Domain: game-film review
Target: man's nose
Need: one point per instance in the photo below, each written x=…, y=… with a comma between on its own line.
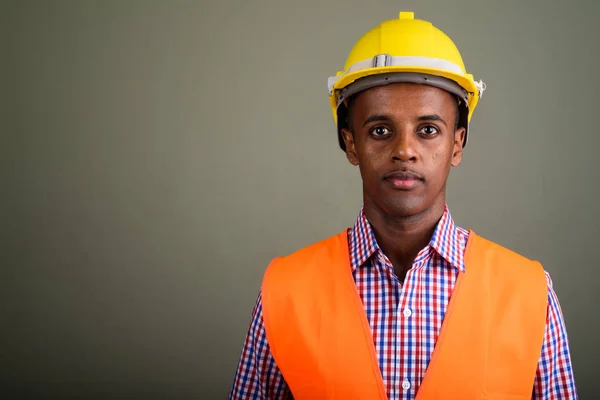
x=405, y=145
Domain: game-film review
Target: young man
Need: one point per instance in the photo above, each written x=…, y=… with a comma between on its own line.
x=405, y=304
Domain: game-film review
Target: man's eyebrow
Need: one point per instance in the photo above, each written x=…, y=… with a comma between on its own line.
x=432, y=117
x=375, y=118
x=385, y=118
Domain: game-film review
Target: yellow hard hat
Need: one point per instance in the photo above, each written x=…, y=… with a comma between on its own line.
x=404, y=50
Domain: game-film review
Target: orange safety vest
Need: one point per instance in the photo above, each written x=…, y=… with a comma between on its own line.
x=488, y=347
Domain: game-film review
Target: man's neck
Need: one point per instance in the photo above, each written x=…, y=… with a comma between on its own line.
x=402, y=238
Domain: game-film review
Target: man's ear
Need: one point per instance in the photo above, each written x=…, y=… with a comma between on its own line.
x=457, y=151
x=350, y=147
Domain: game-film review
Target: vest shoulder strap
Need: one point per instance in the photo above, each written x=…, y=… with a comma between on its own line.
x=491, y=338
x=316, y=327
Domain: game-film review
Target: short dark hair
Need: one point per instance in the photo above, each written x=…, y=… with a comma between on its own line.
x=349, y=112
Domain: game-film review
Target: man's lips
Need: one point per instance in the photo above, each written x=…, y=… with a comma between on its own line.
x=403, y=180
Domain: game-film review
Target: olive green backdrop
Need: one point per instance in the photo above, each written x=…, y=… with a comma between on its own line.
x=157, y=154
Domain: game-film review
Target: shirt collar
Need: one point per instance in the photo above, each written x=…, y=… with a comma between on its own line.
x=446, y=241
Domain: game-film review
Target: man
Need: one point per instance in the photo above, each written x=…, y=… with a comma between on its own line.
x=405, y=304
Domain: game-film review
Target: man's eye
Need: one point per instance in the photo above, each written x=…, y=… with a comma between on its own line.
x=429, y=130
x=380, y=131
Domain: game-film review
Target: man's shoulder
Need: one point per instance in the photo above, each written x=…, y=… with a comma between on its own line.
x=303, y=260
x=306, y=267
x=504, y=258
x=496, y=248
x=340, y=239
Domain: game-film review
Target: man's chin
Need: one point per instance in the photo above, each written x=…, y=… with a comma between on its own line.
x=405, y=207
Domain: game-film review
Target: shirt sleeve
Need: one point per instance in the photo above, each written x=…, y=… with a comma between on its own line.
x=554, y=378
x=257, y=375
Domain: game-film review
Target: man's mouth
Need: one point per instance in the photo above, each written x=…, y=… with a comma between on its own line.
x=403, y=180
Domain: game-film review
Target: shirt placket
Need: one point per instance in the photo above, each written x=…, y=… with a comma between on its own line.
x=406, y=336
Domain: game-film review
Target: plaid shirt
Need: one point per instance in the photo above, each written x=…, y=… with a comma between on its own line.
x=405, y=319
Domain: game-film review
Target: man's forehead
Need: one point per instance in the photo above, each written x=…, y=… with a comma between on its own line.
x=404, y=95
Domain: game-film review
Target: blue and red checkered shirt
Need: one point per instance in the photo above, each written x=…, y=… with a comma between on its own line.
x=405, y=319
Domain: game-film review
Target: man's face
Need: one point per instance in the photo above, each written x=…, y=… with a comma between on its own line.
x=404, y=141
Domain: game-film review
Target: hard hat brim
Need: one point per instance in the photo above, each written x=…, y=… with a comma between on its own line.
x=463, y=80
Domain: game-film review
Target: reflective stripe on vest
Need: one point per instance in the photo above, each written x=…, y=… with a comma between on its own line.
x=488, y=347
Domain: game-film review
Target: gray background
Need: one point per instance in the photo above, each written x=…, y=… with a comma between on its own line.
x=157, y=154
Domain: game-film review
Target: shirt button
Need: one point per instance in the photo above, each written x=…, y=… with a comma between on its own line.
x=407, y=313
x=406, y=385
